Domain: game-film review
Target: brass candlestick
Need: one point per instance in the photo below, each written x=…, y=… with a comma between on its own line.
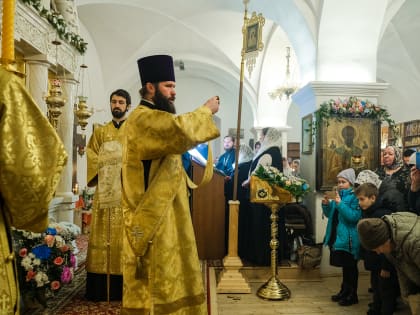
x=274, y=198
x=273, y=289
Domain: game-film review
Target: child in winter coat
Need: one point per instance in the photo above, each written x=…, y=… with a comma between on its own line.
x=341, y=236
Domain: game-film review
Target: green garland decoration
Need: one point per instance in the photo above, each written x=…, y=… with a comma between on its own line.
x=60, y=25
x=351, y=108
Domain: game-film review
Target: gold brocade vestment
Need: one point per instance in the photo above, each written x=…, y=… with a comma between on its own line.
x=161, y=268
x=104, y=154
x=31, y=159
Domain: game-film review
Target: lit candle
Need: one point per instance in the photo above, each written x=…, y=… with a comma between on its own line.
x=8, y=34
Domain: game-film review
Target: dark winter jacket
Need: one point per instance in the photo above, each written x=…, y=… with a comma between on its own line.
x=414, y=202
x=349, y=214
x=389, y=200
x=400, y=180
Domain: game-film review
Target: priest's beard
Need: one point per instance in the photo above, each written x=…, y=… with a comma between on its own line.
x=164, y=103
x=118, y=113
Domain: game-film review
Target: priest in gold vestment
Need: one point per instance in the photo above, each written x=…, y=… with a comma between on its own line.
x=161, y=267
x=104, y=156
x=32, y=157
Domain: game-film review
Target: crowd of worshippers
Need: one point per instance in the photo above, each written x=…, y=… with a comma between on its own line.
x=374, y=216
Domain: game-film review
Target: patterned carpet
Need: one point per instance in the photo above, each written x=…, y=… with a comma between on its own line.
x=71, y=300
x=78, y=305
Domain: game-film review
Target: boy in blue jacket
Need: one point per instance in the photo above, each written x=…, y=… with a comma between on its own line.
x=341, y=236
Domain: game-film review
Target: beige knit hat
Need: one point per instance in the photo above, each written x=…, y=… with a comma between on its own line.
x=348, y=174
x=373, y=232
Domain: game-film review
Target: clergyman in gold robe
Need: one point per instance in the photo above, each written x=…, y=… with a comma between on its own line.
x=104, y=160
x=161, y=267
x=32, y=157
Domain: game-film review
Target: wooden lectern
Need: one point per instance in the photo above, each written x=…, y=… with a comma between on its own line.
x=208, y=214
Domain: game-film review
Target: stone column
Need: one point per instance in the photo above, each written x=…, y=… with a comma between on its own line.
x=37, y=81
x=65, y=131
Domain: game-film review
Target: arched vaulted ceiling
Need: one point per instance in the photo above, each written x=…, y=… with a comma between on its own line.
x=206, y=36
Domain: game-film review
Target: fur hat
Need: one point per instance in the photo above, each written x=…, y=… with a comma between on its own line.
x=156, y=68
x=348, y=174
x=373, y=232
x=368, y=176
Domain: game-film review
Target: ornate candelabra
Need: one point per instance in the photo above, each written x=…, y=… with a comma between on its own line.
x=273, y=197
x=55, y=101
x=82, y=112
x=81, y=108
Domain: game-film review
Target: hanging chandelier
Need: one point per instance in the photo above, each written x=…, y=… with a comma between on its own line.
x=288, y=87
x=81, y=109
x=55, y=100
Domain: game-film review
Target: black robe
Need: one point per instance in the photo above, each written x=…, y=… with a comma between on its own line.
x=257, y=225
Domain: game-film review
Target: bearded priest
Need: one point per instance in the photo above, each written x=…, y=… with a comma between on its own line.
x=104, y=160
x=161, y=269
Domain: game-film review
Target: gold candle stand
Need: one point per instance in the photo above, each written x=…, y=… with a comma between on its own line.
x=274, y=198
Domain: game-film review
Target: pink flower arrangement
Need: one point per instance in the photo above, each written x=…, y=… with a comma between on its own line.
x=45, y=260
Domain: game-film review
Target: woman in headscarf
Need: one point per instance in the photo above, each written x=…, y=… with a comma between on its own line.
x=258, y=251
x=393, y=174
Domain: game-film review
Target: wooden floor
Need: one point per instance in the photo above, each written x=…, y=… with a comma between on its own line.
x=308, y=296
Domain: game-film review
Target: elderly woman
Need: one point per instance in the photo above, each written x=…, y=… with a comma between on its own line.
x=393, y=173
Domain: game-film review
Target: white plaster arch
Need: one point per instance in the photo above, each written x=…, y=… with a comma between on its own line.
x=343, y=54
x=172, y=17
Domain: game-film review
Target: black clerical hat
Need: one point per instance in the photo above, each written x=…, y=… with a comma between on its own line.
x=157, y=68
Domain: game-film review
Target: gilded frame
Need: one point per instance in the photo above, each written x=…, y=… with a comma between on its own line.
x=251, y=37
x=344, y=143
x=252, y=30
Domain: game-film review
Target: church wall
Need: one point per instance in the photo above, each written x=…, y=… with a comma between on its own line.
x=295, y=122
x=397, y=58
